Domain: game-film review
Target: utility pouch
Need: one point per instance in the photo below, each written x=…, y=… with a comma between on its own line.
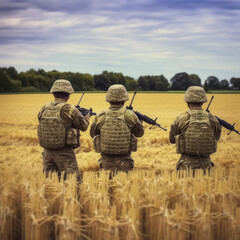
x=72, y=138
x=180, y=143
x=133, y=143
x=97, y=143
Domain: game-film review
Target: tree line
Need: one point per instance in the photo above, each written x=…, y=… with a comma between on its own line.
x=41, y=81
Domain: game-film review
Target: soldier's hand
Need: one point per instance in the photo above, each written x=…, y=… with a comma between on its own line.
x=87, y=116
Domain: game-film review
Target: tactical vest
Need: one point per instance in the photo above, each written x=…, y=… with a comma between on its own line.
x=115, y=135
x=199, y=136
x=51, y=131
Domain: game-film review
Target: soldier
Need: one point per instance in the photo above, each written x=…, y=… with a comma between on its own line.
x=58, y=131
x=114, y=132
x=195, y=132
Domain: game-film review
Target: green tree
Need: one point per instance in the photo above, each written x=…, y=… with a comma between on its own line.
x=41, y=82
x=12, y=73
x=24, y=79
x=15, y=85
x=131, y=84
x=89, y=82
x=162, y=83
x=180, y=81
x=212, y=83
x=235, y=83
x=54, y=75
x=5, y=81
x=81, y=82
x=32, y=78
x=104, y=80
x=7, y=84
x=205, y=86
x=194, y=80
x=224, y=84
x=153, y=83
x=143, y=83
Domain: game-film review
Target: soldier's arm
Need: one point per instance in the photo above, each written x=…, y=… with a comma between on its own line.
x=179, y=126
x=215, y=125
x=174, y=130
x=40, y=113
x=97, y=124
x=79, y=121
x=70, y=114
x=93, y=128
x=134, y=123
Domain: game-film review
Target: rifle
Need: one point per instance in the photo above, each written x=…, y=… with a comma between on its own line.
x=222, y=122
x=84, y=111
x=145, y=118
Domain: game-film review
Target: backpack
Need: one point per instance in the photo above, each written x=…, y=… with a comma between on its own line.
x=199, y=136
x=115, y=135
x=51, y=131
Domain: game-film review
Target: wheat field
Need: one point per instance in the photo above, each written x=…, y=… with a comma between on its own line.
x=151, y=202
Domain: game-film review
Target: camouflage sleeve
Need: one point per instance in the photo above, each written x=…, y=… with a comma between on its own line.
x=93, y=127
x=174, y=130
x=40, y=113
x=133, y=122
x=79, y=121
x=178, y=126
x=92, y=130
x=71, y=115
x=216, y=126
x=97, y=124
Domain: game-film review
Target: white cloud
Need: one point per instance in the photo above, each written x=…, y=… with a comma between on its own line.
x=111, y=36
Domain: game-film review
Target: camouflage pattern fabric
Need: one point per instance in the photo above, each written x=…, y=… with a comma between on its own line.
x=51, y=131
x=195, y=94
x=115, y=134
x=70, y=116
x=117, y=162
x=194, y=162
x=199, y=136
x=117, y=93
x=180, y=126
x=62, y=85
x=61, y=161
x=130, y=117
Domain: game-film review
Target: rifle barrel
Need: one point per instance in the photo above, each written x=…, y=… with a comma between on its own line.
x=222, y=122
x=130, y=106
x=80, y=98
x=148, y=120
x=227, y=125
x=209, y=103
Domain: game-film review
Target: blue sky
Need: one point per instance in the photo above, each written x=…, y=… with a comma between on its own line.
x=135, y=37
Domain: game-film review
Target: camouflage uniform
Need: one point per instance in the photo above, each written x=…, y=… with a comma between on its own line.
x=64, y=159
x=181, y=124
x=120, y=162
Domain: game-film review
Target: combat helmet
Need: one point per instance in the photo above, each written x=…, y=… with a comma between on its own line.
x=62, y=85
x=195, y=94
x=117, y=93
